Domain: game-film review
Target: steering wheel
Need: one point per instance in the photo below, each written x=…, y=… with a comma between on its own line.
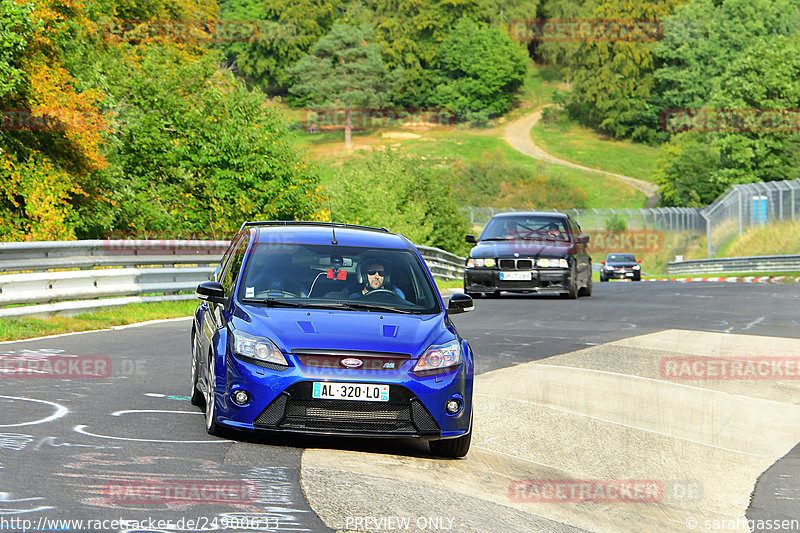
x=382, y=291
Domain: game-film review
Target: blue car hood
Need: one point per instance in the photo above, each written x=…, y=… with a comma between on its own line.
x=323, y=329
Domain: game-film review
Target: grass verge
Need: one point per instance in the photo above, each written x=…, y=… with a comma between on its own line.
x=568, y=140
x=17, y=328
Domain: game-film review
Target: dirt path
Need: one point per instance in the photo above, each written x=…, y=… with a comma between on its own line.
x=517, y=134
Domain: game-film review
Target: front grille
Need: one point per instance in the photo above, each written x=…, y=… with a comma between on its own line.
x=516, y=264
x=295, y=409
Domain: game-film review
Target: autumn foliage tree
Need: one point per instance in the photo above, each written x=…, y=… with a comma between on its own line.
x=52, y=129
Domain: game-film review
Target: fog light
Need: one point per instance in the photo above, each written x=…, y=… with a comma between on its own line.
x=452, y=407
x=240, y=397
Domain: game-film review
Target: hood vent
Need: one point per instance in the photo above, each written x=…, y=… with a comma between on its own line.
x=389, y=331
x=306, y=326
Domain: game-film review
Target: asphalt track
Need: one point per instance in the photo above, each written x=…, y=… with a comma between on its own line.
x=573, y=391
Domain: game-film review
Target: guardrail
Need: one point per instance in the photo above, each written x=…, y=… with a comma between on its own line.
x=74, y=276
x=766, y=263
x=443, y=264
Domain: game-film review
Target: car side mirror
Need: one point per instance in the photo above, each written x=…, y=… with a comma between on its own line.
x=211, y=291
x=638, y=260
x=471, y=239
x=603, y=261
x=460, y=303
x=582, y=239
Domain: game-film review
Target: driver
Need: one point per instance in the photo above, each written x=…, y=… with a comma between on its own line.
x=375, y=275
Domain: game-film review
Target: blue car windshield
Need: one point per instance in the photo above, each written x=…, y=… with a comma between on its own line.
x=337, y=277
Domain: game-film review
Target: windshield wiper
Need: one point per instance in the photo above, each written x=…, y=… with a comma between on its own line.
x=373, y=307
x=497, y=239
x=273, y=302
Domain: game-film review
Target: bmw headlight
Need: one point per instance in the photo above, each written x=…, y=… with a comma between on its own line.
x=440, y=358
x=260, y=348
x=480, y=262
x=551, y=263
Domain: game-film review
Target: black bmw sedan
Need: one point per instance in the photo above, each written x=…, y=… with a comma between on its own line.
x=537, y=252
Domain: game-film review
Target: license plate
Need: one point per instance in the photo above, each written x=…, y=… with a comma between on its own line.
x=515, y=276
x=629, y=274
x=326, y=390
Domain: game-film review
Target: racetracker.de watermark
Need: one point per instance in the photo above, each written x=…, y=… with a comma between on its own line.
x=731, y=120
x=199, y=31
x=730, y=368
x=630, y=241
x=180, y=491
x=365, y=118
x=586, y=491
x=43, y=120
x=56, y=367
x=164, y=247
x=585, y=30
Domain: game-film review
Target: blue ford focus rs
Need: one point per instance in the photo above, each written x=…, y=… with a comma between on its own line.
x=331, y=329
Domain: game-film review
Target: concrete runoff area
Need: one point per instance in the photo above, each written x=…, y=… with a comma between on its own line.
x=598, y=415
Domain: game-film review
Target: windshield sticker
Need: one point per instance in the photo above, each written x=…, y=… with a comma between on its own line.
x=250, y=292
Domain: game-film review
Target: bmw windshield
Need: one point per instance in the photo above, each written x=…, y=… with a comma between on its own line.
x=337, y=277
x=525, y=228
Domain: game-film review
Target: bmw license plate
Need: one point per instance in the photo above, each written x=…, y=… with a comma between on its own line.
x=515, y=276
x=326, y=390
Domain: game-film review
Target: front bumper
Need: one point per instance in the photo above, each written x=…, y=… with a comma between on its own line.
x=622, y=274
x=281, y=401
x=550, y=280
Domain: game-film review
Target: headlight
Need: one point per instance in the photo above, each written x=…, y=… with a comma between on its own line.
x=636, y=267
x=480, y=262
x=440, y=358
x=260, y=348
x=609, y=267
x=552, y=263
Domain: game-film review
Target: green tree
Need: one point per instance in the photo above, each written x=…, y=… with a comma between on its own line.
x=287, y=31
x=612, y=81
x=195, y=151
x=406, y=196
x=686, y=171
x=343, y=71
x=410, y=34
x=747, y=76
x=479, y=70
x=704, y=37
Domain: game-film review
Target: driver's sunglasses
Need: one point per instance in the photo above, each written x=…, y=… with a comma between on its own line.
x=381, y=273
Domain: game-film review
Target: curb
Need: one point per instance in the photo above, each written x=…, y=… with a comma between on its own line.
x=735, y=279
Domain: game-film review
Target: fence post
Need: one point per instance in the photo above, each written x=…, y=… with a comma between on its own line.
x=708, y=234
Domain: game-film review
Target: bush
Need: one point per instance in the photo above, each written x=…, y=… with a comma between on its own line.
x=404, y=195
x=480, y=68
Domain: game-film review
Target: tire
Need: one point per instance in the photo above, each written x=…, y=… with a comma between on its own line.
x=573, y=285
x=452, y=448
x=212, y=427
x=587, y=290
x=197, y=397
x=603, y=278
